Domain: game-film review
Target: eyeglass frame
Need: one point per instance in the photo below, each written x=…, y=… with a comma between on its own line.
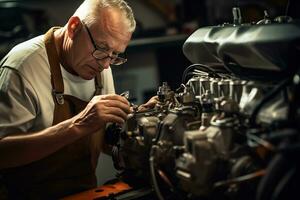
x=104, y=51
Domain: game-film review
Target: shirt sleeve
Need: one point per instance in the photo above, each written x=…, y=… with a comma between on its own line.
x=18, y=105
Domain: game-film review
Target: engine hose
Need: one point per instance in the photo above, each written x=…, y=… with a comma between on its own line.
x=288, y=180
x=277, y=177
x=268, y=97
x=117, y=161
x=200, y=67
x=152, y=172
x=294, y=104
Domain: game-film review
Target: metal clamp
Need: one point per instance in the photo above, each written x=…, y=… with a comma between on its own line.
x=59, y=97
x=125, y=94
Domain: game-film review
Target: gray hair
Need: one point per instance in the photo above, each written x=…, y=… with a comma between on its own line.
x=89, y=10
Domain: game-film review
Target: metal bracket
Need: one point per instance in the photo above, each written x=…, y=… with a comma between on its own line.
x=59, y=97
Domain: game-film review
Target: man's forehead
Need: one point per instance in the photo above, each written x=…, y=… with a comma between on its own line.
x=110, y=30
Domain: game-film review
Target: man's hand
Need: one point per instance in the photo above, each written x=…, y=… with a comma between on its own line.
x=101, y=110
x=149, y=105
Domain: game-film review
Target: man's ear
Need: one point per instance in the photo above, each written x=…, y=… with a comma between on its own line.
x=74, y=26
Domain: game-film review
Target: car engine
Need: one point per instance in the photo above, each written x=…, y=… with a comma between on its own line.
x=231, y=128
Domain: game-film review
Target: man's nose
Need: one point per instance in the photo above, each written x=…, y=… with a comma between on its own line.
x=105, y=62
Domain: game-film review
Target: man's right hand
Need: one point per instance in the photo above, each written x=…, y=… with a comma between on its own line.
x=101, y=110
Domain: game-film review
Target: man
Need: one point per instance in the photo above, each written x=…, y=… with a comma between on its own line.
x=50, y=137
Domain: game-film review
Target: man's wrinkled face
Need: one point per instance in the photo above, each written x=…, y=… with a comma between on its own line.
x=101, y=44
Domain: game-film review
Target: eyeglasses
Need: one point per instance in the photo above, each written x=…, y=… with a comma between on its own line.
x=101, y=53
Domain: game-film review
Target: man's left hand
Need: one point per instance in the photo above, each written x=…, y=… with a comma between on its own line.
x=149, y=105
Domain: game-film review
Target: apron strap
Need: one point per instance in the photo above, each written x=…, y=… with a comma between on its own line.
x=56, y=76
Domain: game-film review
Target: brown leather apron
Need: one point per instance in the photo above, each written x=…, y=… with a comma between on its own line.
x=70, y=169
